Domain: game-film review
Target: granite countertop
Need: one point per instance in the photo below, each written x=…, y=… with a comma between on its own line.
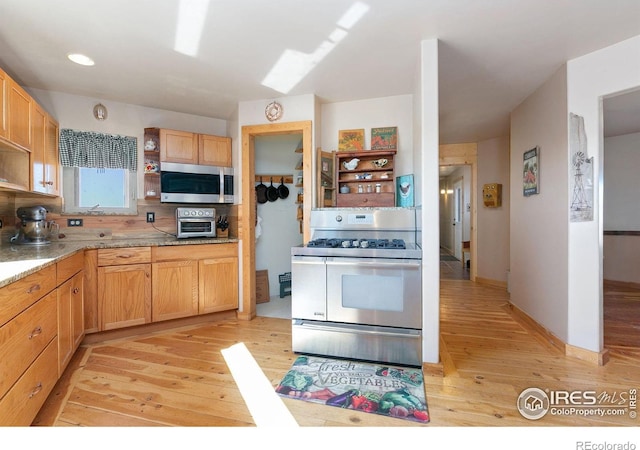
x=18, y=261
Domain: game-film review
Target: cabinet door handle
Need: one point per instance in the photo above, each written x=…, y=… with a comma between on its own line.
x=36, y=331
x=76, y=290
x=34, y=288
x=36, y=390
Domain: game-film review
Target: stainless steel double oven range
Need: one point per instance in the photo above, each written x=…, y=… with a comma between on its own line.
x=356, y=286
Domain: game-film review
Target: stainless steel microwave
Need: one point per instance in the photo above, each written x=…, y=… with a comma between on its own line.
x=193, y=183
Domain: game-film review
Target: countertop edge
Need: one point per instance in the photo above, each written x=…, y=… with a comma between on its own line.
x=20, y=261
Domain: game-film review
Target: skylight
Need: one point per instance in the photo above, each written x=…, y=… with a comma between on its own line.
x=293, y=65
x=191, y=18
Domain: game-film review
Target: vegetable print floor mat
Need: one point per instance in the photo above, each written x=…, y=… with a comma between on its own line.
x=378, y=389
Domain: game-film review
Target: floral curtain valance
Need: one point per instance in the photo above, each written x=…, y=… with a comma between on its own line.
x=102, y=151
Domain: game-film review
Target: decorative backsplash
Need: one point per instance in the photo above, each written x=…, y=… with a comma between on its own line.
x=103, y=226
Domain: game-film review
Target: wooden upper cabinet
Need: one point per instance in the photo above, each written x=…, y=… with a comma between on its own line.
x=214, y=150
x=19, y=115
x=178, y=147
x=192, y=148
x=44, y=152
x=3, y=104
x=51, y=156
x=38, y=121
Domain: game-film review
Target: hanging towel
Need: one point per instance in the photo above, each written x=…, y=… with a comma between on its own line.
x=258, y=228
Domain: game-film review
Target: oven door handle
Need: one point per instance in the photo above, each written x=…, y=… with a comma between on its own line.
x=395, y=264
x=355, y=329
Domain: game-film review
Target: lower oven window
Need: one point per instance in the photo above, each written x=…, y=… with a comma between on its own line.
x=373, y=292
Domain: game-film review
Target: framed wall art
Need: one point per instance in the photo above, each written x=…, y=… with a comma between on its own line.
x=351, y=140
x=384, y=138
x=404, y=190
x=531, y=172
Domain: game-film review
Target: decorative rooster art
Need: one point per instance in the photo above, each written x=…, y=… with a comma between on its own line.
x=405, y=189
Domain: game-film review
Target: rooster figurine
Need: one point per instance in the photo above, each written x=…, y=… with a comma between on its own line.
x=351, y=164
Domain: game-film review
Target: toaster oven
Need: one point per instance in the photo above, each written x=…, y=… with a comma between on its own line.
x=195, y=222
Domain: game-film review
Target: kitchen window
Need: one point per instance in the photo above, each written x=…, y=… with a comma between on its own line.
x=90, y=190
x=99, y=172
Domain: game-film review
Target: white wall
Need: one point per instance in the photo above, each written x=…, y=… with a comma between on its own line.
x=76, y=112
x=589, y=78
x=538, y=230
x=493, y=223
x=426, y=151
x=280, y=229
x=372, y=113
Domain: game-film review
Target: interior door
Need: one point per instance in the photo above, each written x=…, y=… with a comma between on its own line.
x=458, y=217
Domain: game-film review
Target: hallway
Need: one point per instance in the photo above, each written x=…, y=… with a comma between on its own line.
x=451, y=268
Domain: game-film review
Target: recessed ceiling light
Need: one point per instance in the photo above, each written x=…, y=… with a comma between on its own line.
x=80, y=59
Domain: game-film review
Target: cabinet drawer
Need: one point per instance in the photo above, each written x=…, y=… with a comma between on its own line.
x=194, y=252
x=16, y=297
x=23, y=338
x=366, y=200
x=68, y=267
x=22, y=403
x=128, y=255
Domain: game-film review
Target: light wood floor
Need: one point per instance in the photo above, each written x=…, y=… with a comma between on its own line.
x=179, y=378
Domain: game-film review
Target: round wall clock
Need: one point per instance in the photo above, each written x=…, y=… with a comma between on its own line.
x=273, y=111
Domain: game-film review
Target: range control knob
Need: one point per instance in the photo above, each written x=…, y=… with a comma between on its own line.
x=338, y=218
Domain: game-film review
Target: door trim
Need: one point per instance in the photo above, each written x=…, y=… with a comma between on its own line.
x=466, y=154
x=247, y=209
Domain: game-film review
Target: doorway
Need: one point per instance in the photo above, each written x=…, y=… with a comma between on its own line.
x=452, y=157
x=621, y=241
x=277, y=229
x=458, y=218
x=247, y=209
x=454, y=221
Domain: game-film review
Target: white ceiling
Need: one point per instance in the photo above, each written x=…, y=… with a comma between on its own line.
x=493, y=53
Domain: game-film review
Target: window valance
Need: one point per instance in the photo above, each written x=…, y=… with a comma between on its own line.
x=99, y=150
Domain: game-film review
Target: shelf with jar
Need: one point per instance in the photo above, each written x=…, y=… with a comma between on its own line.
x=151, y=164
x=365, y=178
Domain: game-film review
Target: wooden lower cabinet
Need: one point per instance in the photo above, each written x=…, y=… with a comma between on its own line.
x=23, y=401
x=173, y=282
x=41, y=326
x=209, y=281
x=124, y=295
x=218, y=287
x=70, y=319
x=174, y=290
x=70, y=294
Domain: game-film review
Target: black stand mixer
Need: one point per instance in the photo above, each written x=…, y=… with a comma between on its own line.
x=34, y=229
